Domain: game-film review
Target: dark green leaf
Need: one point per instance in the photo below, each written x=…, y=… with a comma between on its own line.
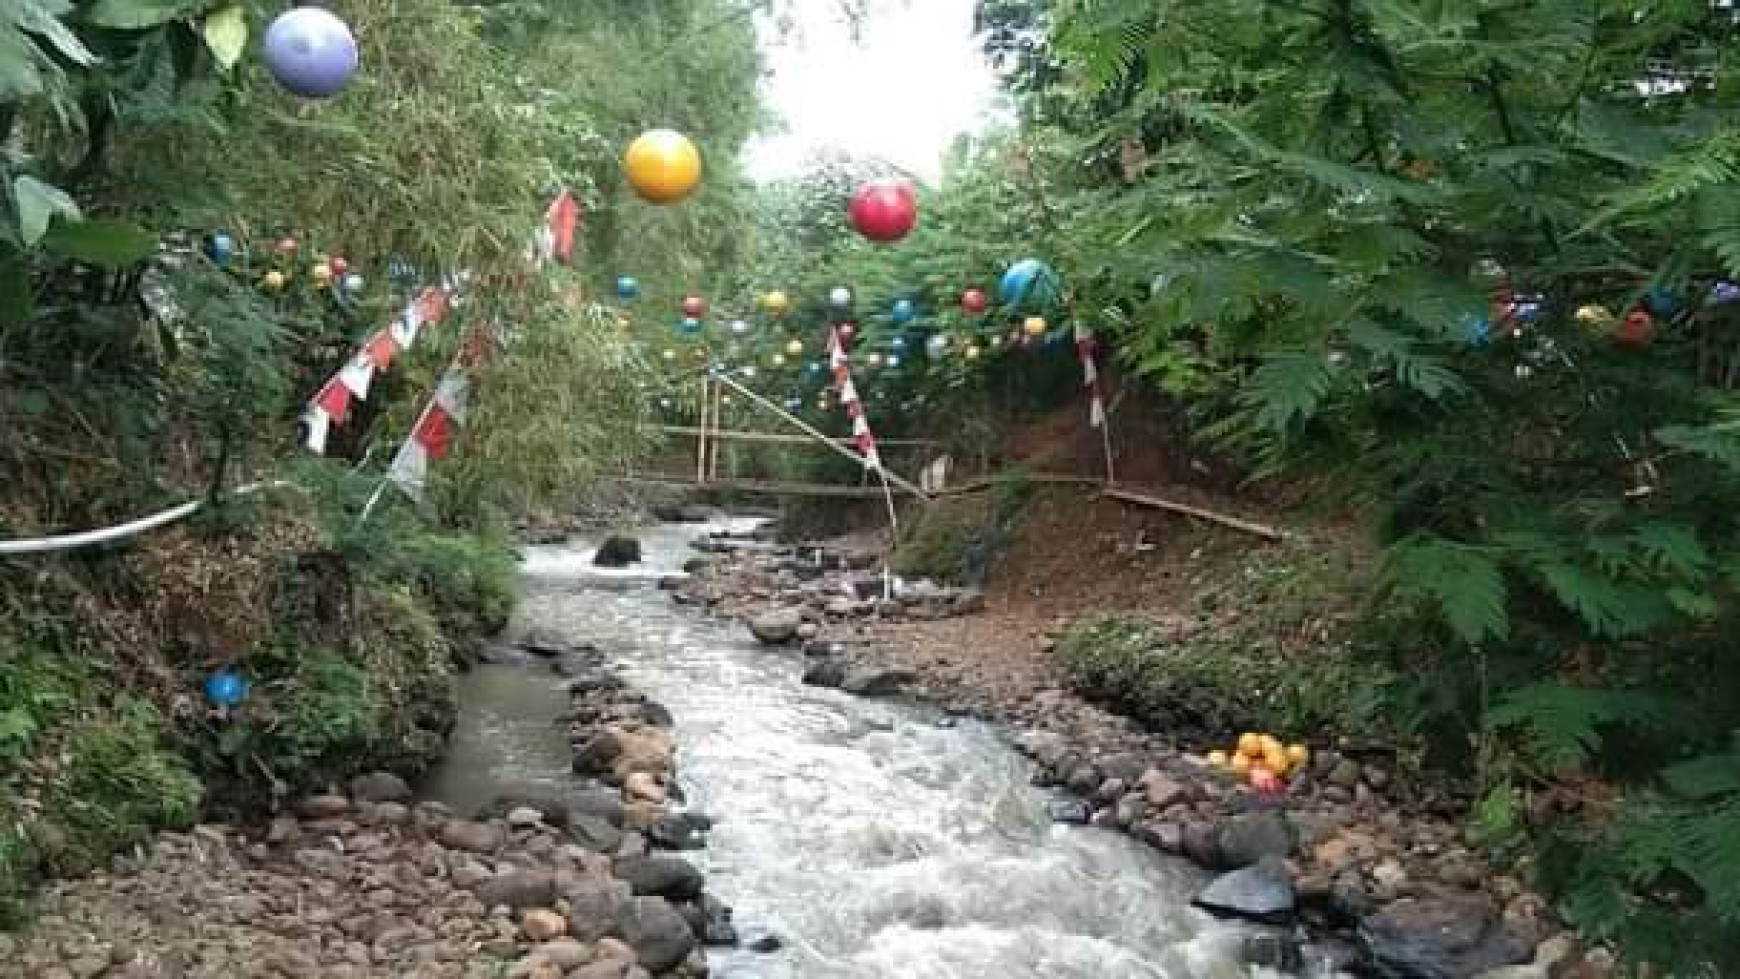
x=101, y=242
x=139, y=14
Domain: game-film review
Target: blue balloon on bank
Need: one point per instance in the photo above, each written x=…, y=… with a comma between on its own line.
x=220, y=248
x=226, y=688
x=904, y=312
x=1029, y=285
x=627, y=287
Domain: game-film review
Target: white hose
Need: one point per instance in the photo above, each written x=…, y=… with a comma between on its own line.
x=67, y=542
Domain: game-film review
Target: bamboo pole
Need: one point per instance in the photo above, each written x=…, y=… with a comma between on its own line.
x=701, y=438
x=1248, y=526
x=807, y=428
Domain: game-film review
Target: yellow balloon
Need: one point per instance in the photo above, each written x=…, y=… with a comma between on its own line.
x=776, y=302
x=973, y=352
x=322, y=273
x=794, y=347
x=275, y=280
x=669, y=354
x=663, y=166
x=1035, y=326
x=779, y=360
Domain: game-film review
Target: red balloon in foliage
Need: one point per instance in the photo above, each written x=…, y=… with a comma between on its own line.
x=694, y=307
x=974, y=301
x=1638, y=330
x=339, y=266
x=884, y=210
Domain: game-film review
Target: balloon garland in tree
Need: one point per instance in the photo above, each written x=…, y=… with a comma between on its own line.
x=884, y=210
x=975, y=302
x=1029, y=285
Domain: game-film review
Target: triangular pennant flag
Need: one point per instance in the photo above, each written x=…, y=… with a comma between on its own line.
x=451, y=393
x=410, y=468
x=319, y=424
x=434, y=433
x=334, y=399
x=381, y=350
x=560, y=222
x=357, y=375
x=432, y=305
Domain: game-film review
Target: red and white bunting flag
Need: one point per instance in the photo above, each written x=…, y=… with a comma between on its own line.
x=358, y=374
x=382, y=348
x=561, y=221
x=329, y=406
x=841, y=362
x=432, y=435
x=1086, y=348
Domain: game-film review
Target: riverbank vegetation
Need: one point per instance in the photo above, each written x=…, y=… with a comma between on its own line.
x=142, y=364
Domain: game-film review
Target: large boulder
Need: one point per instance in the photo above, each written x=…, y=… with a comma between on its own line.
x=1261, y=892
x=518, y=889
x=1438, y=938
x=617, y=551
x=828, y=671
x=776, y=628
x=660, y=937
x=594, y=905
x=459, y=834
x=1248, y=837
x=379, y=787
x=661, y=876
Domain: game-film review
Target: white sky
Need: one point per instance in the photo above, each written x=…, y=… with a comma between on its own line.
x=912, y=81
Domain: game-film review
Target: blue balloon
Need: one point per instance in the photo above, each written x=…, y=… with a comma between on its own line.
x=898, y=343
x=904, y=312
x=1029, y=285
x=689, y=326
x=814, y=367
x=220, y=247
x=1724, y=292
x=1474, y=329
x=225, y=688
x=627, y=288
x=1661, y=302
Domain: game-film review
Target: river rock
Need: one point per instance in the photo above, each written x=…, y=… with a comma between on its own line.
x=717, y=929
x=617, y=551
x=594, y=833
x=524, y=817
x=543, y=925
x=518, y=889
x=459, y=834
x=1162, y=791
x=594, y=905
x=1250, y=836
x=1262, y=892
x=678, y=831
x=764, y=943
x=599, y=803
x=597, y=754
x=322, y=807
x=647, y=750
x=1279, y=953
x=875, y=681
x=776, y=628
x=379, y=787
x=661, y=876
x=1072, y=811
x=661, y=939
x=1440, y=938
x=828, y=672
x=564, y=953
x=642, y=786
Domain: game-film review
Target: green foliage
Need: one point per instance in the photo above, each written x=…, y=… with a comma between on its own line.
x=122, y=783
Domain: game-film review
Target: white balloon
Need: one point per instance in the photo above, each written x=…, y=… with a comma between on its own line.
x=739, y=327
x=936, y=346
x=840, y=297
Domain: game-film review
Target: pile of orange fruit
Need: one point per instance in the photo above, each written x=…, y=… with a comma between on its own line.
x=1262, y=760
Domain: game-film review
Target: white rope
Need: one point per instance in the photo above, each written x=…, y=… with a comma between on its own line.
x=67, y=542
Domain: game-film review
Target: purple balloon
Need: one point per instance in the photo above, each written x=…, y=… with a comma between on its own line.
x=310, y=52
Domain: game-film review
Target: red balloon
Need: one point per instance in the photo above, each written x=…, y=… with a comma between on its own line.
x=884, y=210
x=694, y=307
x=1637, y=330
x=339, y=266
x=974, y=301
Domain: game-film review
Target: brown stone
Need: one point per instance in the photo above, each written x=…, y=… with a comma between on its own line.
x=543, y=926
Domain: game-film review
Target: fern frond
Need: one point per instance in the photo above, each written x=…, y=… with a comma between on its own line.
x=1608, y=608
x=1286, y=389
x=1563, y=724
x=1717, y=442
x=1465, y=584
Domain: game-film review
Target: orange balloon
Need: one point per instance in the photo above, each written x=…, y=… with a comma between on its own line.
x=663, y=166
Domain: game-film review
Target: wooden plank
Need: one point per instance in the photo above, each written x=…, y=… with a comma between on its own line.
x=779, y=439
x=769, y=487
x=1250, y=527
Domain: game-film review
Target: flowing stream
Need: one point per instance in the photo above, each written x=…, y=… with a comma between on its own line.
x=877, y=839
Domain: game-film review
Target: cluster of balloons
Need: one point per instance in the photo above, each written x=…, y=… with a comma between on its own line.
x=326, y=272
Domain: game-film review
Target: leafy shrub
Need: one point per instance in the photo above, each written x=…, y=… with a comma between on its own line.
x=122, y=783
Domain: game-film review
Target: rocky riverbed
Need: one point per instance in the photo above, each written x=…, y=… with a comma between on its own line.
x=1362, y=882
x=363, y=881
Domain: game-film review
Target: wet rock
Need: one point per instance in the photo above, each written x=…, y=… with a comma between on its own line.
x=1082, y=779
x=524, y=817
x=681, y=513
x=660, y=876
x=764, y=943
x=1073, y=811
x=379, y=787
x=1200, y=844
x=776, y=628
x=875, y=681
x=643, y=787
x=459, y=834
x=646, y=750
x=607, y=969
x=1281, y=953
x=594, y=905
x=661, y=939
x=678, y=831
x=1345, y=773
x=716, y=927
x=617, y=551
x=1389, y=879
x=1262, y=892
x=599, y=803
x=1443, y=938
x=594, y=833
x=830, y=672
x=597, y=754
x=518, y=889
x=1248, y=837
x=1165, y=837
x=1162, y=791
